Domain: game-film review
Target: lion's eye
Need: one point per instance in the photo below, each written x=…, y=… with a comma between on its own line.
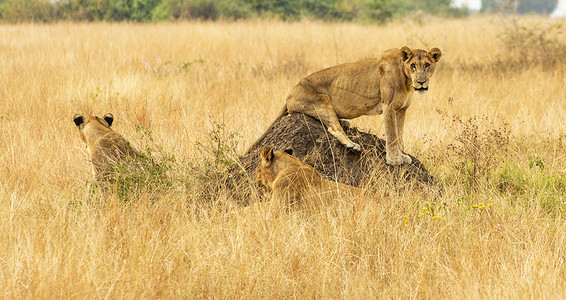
x=427, y=65
x=413, y=66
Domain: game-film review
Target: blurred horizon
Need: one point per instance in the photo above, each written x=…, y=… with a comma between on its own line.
x=475, y=5
x=375, y=11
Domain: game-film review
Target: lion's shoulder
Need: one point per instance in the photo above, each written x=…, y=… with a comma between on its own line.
x=391, y=59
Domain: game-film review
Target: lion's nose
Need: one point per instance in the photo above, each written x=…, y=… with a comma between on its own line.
x=421, y=79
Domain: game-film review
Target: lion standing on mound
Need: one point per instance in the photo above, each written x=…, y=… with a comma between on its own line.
x=368, y=87
x=294, y=183
x=106, y=147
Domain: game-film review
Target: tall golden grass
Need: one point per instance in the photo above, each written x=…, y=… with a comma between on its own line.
x=499, y=233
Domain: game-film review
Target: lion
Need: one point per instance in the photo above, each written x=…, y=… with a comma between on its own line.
x=293, y=183
x=367, y=87
x=105, y=146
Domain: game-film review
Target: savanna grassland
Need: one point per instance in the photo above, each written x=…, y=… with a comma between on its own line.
x=195, y=95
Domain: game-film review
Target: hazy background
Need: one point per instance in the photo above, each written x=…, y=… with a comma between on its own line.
x=475, y=5
x=364, y=11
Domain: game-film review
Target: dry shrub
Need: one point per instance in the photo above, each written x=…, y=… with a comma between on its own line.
x=526, y=46
x=143, y=177
x=219, y=176
x=536, y=45
x=478, y=148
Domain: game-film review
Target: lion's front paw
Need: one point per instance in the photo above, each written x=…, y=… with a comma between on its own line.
x=394, y=161
x=354, y=147
x=406, y=158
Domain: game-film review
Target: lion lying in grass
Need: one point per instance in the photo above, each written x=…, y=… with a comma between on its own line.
x=293, y=183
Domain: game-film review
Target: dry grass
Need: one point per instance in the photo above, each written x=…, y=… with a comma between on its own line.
x=499, y=235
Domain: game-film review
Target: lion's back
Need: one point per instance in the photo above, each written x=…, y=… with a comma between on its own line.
x=109, y=151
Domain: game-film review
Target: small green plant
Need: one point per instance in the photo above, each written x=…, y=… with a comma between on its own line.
x=138, y=176
x=536, y=161
x=187, y=64
x=511, y=180
x=96, y=95
x=220, y=170
x=168, y=67
x=144, y=174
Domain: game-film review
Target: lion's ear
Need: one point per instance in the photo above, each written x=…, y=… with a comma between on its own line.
x=289, y=150
x=78, y=119
x=406, y=53
x=435, y=54
x=109, y=118
x=267, y=154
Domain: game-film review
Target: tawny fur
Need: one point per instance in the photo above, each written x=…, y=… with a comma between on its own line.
x=105, y=146
x=293, y=183
x=368, y=87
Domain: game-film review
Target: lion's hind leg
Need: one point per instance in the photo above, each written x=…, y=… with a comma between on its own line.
x=324, y=111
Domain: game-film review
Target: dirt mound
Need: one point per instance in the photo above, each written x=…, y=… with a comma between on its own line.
x=313, y=144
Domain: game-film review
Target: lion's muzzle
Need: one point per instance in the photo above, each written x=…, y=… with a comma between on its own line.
x=420, y=83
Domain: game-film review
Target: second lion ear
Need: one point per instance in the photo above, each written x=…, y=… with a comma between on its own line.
x=406, y=53
x=109, y=118
x=78, y=119
x=267, y=154
x=435, y=54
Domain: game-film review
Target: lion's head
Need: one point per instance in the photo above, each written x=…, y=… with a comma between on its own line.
x=92, y=128
x=419, y=66
x=272, y=162
x=105, y=146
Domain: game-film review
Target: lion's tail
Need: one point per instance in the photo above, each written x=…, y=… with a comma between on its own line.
x=283, y=112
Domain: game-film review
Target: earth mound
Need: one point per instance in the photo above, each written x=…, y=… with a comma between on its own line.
x=313, y=144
